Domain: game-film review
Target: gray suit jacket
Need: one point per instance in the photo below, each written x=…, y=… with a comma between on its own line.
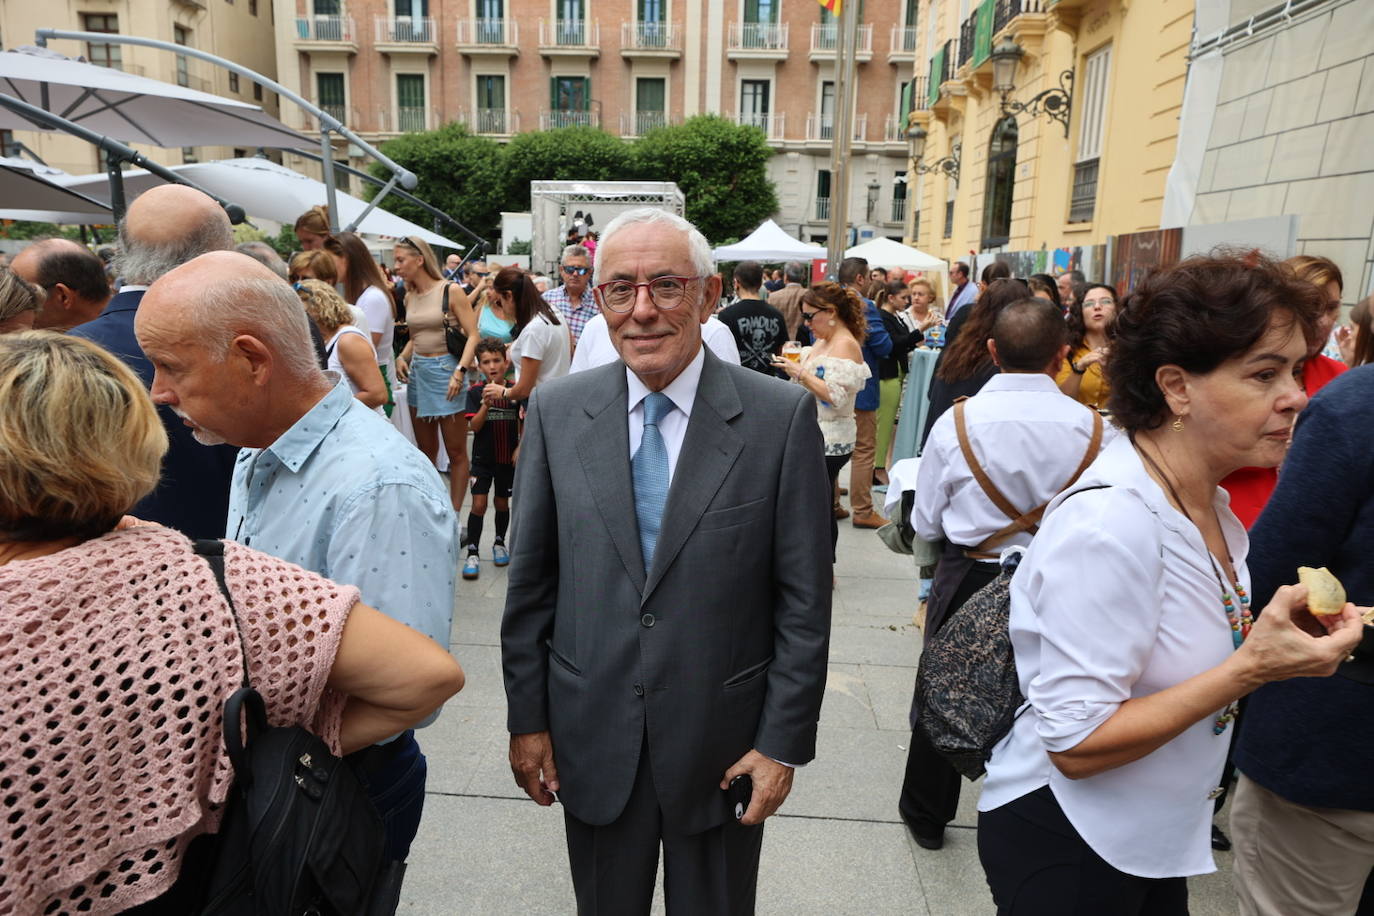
x=718, y=648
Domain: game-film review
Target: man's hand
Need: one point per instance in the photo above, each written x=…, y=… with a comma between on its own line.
x=772, y=783
x=531, y=760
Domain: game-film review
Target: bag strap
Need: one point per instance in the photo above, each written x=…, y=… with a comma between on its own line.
x=212, y=549
x=1027, y=521
x=980, y=475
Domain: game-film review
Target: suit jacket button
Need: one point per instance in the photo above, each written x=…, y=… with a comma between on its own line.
x=639, y=690
x=647, y=620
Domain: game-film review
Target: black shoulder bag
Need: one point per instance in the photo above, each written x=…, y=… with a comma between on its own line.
x=454, y=338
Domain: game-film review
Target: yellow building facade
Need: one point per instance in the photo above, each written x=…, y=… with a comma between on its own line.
x=1050, y=175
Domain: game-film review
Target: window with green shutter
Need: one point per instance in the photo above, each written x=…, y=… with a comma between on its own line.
x=410, y=101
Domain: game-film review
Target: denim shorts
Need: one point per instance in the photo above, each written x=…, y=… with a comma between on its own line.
x=429, y=377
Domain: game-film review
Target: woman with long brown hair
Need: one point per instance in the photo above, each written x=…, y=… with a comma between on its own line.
x=426, y=366
x=1092, y=324
x=542, y=348
x=366, y=288
x=833, y=370
x=312, y=228
x=965, y=365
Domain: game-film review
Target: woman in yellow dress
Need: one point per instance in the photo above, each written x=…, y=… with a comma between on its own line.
x=1092, y=323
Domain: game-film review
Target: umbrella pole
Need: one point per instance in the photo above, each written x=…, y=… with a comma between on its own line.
x=330, y=193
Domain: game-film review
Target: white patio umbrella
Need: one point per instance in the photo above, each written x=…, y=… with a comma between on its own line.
x=29, y=191
x=132, y=108
x=769, y=243
x=266, y=190
x=884, y=252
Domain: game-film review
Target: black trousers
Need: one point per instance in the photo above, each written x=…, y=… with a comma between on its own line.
x=833, y=464
x=930, y=789
x=1037, y=865
x=614, y=866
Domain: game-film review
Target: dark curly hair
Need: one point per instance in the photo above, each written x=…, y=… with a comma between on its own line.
x=1197, y=315
x=848, y=307
x=969, y=352
x=1078, y=331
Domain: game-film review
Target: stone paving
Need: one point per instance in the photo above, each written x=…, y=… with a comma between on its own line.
x=837, y=845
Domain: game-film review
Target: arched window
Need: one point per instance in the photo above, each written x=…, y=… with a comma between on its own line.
x=1001, y=181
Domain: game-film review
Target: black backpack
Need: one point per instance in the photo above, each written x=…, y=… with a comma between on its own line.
x=299, y=835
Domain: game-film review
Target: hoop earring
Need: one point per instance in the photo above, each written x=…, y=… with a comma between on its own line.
x=1178, y=423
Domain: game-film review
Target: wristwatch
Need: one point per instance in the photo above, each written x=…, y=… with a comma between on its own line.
x=1074, y=366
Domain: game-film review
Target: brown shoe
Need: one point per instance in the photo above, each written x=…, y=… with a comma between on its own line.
x=868, y=520
x=841, y=512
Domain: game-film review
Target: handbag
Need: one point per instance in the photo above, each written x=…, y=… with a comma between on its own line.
x=454, y=338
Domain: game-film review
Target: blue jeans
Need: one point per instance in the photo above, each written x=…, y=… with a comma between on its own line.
x=394, y=776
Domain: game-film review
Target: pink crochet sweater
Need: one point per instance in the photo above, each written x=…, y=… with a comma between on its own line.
x=116, y=657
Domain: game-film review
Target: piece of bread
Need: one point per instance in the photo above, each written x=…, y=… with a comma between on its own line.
x=1325, y=594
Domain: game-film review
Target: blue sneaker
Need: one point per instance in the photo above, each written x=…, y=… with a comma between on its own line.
x=470, y=567
x=499, y=555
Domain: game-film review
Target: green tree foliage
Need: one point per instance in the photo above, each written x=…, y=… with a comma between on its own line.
x=460, y=173
x=285, y=242
x=563, y=154
x=721, y=167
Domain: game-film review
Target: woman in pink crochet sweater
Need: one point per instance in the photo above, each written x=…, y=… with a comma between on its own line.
x=117, y=650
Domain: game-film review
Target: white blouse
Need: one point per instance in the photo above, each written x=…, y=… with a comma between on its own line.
x=1117, y=598
x=844, y=379
x=547, y=342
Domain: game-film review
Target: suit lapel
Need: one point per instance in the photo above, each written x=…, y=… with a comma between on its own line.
x=604, y=448
x=709, y=450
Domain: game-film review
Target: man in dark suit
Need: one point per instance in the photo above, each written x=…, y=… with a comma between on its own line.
x=668, y=609
x=165, y=227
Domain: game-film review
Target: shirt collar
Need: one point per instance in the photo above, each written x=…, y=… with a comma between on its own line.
x=131, y=288
x=682, y=391
x=1021, y=381
x=298, y=443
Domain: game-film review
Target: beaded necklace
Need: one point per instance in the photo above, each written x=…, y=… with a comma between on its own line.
x=1241, y=621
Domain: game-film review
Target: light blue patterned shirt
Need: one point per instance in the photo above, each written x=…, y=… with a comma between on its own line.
x=343, y=494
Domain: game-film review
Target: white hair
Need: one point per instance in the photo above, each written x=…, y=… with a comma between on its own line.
x=264, y=307
x=703, y=265
x=140, y=263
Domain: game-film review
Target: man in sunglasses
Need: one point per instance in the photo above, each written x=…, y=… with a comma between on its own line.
x=668, y=608
x=573, y=300
x=473, y=274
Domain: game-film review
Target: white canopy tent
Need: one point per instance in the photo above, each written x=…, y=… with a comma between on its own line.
x=769, y=243
x=30, y=191
x=883, y=252
x=267, y=190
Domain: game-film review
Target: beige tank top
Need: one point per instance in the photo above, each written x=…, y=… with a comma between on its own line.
x=425, y=317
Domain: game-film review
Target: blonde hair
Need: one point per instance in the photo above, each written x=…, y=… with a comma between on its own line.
x=80, y=440
x=315, y=221
x=421, y=247
x=324, y=306
x=17, y=295
x=319, y=262
x=921, y=281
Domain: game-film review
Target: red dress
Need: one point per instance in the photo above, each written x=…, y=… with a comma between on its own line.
x=1250, y=487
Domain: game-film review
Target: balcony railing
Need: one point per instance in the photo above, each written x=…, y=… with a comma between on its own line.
x=559, y=117
x=822, y=208
x=771, y=124
x=951, y=48
x=639, y=123
x=898, y=210
x=401, y=29
x=894, y=129
x=337, y=112
x=822, y=127
x=825, y=36
x=903, y=40
x=1084, y=198
x=569, y=33
x=1007, y=10
x=409, y=118
x=920, y=94
x=488, y=32
x=758, y=36
x=967, y=34
x=324, y=28
x=651, y=36
x=500, y=121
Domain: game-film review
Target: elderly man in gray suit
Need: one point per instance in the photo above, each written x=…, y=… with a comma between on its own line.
x=668, y=609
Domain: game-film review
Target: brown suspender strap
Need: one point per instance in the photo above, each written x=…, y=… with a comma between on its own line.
x=1021, y=521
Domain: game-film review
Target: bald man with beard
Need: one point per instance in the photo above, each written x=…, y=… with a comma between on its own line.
x=72, y=280
x=165, y=227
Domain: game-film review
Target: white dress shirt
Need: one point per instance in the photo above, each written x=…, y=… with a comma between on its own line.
x=1029, y=437
x=1118, y=598
x=672, y=426
x=594, y=347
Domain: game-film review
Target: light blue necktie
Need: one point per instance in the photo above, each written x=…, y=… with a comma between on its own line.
x=649, y=468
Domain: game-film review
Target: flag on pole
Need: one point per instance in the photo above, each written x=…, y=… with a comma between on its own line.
x=832, y=5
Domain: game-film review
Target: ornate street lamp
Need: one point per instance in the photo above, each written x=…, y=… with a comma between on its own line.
x=1056, y=102
x=916, y=140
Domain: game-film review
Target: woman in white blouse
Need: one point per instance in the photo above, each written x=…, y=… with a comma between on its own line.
x=1132, y=629
x=543, y=345
x=832, y=369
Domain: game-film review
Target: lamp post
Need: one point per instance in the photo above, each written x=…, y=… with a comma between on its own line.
x=873, y=189
x=1056, y=102
x=916, y=141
